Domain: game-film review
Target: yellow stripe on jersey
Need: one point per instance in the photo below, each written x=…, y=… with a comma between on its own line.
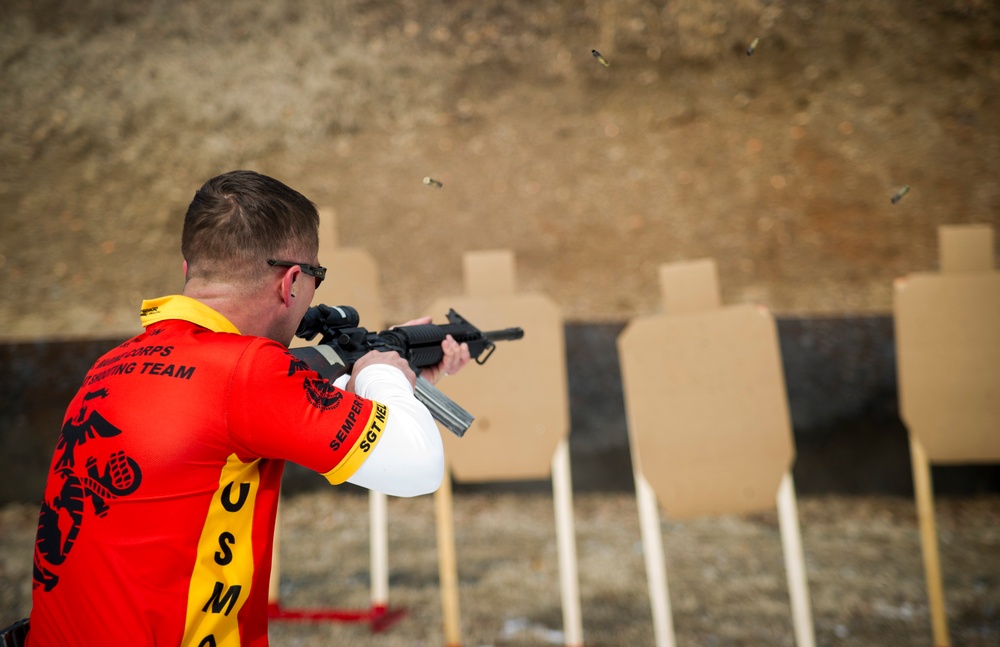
x=223, y=570
x=370, y=435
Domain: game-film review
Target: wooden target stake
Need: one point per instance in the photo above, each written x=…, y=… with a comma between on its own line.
x=923, y=490
x=447, y=565
x=795, y=562
x=656, y=565
x=562, y=490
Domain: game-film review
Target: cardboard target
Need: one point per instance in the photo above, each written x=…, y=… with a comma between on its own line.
x=519, y=397
x=947, y=327
x=705, y=398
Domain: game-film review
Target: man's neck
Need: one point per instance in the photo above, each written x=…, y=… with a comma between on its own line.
x=247, y=311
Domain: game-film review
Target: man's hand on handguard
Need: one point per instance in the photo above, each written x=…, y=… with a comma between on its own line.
x=456, y=355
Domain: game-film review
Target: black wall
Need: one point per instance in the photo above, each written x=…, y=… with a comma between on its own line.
x=840, y=375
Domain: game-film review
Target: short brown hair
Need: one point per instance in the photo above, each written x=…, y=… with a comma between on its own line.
x=238, y=220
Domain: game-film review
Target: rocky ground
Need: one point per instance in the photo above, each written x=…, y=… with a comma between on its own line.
x=726, y=574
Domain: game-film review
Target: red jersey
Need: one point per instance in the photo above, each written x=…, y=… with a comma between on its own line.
x=159, y=509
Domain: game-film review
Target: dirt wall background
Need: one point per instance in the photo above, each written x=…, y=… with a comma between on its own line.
x=780, y=165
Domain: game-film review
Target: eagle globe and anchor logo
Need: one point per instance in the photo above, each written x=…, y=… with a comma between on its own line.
x=62, y=518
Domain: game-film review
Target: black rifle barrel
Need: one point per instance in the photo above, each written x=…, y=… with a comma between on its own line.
x=507, y=334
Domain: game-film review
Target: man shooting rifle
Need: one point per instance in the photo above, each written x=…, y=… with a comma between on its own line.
x=158, y=516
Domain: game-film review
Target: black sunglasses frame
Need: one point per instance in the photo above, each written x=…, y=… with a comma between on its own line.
x=316, y=271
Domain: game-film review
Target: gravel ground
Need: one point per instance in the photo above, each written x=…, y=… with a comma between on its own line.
x=726, y=574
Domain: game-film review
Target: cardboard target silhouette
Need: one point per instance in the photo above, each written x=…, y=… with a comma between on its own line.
x=709, y=427
x=520, y=400
x=948, y=350
x=519, y=397
x=947, y=328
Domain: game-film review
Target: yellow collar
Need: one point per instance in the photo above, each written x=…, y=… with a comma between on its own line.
x=178, y=306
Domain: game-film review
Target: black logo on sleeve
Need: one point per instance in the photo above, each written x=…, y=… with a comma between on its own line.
x=296, y=365
x=322, y=394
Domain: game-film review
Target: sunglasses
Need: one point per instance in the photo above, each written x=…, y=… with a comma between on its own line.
x=318, y=273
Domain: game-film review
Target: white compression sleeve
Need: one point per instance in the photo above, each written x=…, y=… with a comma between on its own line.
x=409, y=459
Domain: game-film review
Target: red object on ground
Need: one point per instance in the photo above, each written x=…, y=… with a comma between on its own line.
x=380, y=616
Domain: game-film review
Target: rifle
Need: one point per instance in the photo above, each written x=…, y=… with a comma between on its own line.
x=343, y=343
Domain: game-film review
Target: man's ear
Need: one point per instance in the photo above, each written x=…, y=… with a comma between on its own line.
x=185, y=269
x=288, y=286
